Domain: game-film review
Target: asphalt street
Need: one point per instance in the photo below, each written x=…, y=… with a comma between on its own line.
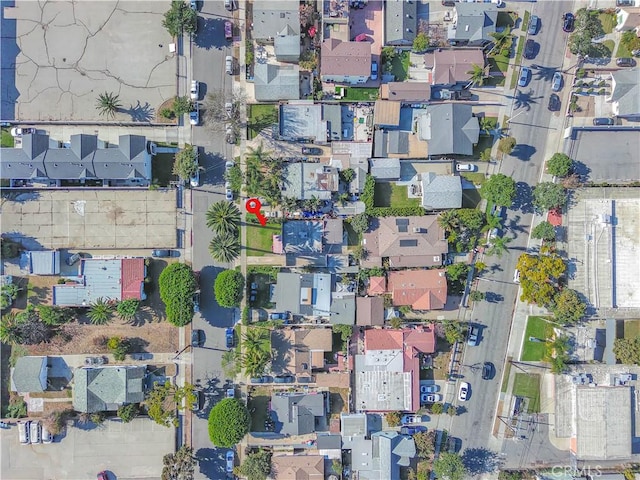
x=531, y=129
x=208, y=51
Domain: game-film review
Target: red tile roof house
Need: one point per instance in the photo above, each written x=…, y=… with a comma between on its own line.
x=449, y=67
x=421, y=289
x=345, y=62
x=387, y=375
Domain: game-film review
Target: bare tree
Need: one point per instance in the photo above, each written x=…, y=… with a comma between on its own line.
x=220, y=109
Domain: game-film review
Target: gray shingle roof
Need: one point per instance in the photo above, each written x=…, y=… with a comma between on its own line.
x=332, y=114
x=441, y=191
x=106, y=388
x=26, y=162
x=385, y=168
x=287, y=47
x=296, y=413
x=275, y=17
x=400, y=22
x=26, y=374
x=276, y=82
x=475, y=22
x=626, y=91
x=449, y=128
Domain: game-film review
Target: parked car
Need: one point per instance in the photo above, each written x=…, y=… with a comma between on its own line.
x=529, y=49
x=228, y=30
x=311, y=151
x=195, y=180
x=229, y=338
x=231, y=393
x=74, y=258
x=257, y=380
x=411, y=419
x=516, y=276
x=554, y=102
x=284, y=379
x=279, y=315
x=556, y=82
x=228, y=164
x=194, y=114
x=448, y=3
x=194, y=91
x=567, y=22
x=463, y=392
x=474, y=335
x=534, y=25
x=18, y=132
x=198, y=401
x=34, y=432
x=228, y=194
x=374, y=70
x=636, y=53
x=453, y=444
x=46, y=435
x=197, y=337
x=230, y=134
x=228, y=4
x=23, y=432
x=487, y=371
x=524, y=77
x=230, y=457
x=429, y=388
x=228, y=64
x=430, y=398
x=102, y=476
x=228, y=107
x=413, y=429
x=164, y=253
x=194, y=5
x=599, y=121
x=625, y=62
x=465, y=167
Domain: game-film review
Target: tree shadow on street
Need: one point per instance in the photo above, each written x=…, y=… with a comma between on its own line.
x=140, y=113
x=523, y=152
x=524, y=198
x=524, y=100
x=480, y=460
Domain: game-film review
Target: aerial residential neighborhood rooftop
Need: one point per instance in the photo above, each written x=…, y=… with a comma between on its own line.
x=337, y=240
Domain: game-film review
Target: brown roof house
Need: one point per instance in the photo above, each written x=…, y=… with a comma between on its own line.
x=377, y=286
x=345, y=62
x=421, y=289
x=406, y=91
x=406, y=241
x=369, y=311
x=297, y=467
x=300, y=351
x=451, y=66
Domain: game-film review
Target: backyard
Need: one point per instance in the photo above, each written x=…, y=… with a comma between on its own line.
x=393, y=195
x=258, y=405
x=353, y=238
x=260, y=239
x=264, y=282
x=631, y=329
x=359, y=94
x=7, y=139
x=260, y=117
x=484, y=142
x=528, y=385
x=162, y=169
x=400, y=66
x=540, y=330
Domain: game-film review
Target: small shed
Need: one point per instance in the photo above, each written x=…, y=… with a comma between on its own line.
x=45, y=262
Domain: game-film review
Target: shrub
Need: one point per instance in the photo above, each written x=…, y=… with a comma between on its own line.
x=177, y=285
x=128, y=412
x=437, y=408
x=119, y=347
x=228, y=288
x=507, y=144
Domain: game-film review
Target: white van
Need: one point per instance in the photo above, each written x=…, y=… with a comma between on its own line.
x=34, y=434
x=23, y=432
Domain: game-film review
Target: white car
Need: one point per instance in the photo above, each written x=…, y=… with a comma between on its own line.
x=463, y=392
x=230, y=457
x=430, y=398
x=465, y=167
x=195, y=180
x=516, y=276
x=195, y=90
x=228, y=107
x=228, y=64
x=228, y=195
x=18, y=132
x=229, y=164
x=194, y=115
x=556, y=83
x=46, y=435
x=411, y=419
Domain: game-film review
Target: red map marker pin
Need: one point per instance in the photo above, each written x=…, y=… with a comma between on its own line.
x=253, y=205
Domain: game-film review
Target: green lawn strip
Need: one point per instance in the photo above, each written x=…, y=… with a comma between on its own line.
x=609, y=45
x=261, y=116
x=400, y=66
x=7, y=139
x=360, y=94
x=528, y=385
x=519, y=49
x=537, y=327
x=353, y=238
x=608, y=21
x=498, y=62
x=260, y=239
x=631, y=329
x=525, y=21
x=622, y=52
x=475, y=178
x=162, y=168
x=392, y=195
x=505, y=378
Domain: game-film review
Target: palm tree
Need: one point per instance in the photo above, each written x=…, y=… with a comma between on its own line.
x=499, y=246
x=258, y=153
x=313, y=204
x=255, y=361
x=493, y=221
x=9, y=329
x=501, y=40
x=230, y=363
x=256, y=339
x=448, y=220
x=289, y=204
x=478, y=75
x=223, y=218
x=100, y=311
x=225, y=248
x=108, y=104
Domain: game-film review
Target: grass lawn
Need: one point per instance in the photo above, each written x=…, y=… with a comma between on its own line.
x=360, y=94
x=264, y=290
x=631, y=328
x=353, y=239
x=620, y=53
x=7, y=139
x=260, y=117
x=609, y=45
x=260, y=239
x=392, y=195
x=258, y=405
x=525, y=20
x=505, y=19
x=537, y=327
x=505, y=378
x=484, y=142
x=475, y=178
x=608, y=21
x=162, y=168
x=400, y=66
x=528, y=385
x=516, y=71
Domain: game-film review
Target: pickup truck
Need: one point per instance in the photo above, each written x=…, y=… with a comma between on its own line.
x=452, y=95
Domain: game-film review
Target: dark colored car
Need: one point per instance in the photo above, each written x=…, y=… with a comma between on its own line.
x=197, y=337
x=74, y=258
x=534, y=25
x=448, y=3
x=198, y=402
x=554, y=102
x=603, y=121
x=625, y=62
x=196, y=302
x=529, y=49
x=279, y=315
x=487, y=371
x=164, y=253
x=567, y=22
x=453, y=444
x=229, y=337
x=411, y=430
x=311, y=151
x=284, y=379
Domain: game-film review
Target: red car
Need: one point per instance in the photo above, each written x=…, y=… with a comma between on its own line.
x=228, y=30
x=102, y=476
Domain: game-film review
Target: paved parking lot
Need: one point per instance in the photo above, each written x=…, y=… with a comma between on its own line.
x=115, y=219
x=125, y=450
x=69, y=52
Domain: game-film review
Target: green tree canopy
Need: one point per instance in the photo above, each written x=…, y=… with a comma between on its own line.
x=478, y=74
x=229, y=421
x=228, y=288
x=128, y=308
x=627, y=350
x=225, y=248
x=539, y=277
x=449, y=466
x=164, y=400
x=568, y=308
x=548, y=195
x=360, y=222
x=180, y=18
x=499, y=189
x=177, y=285
x=257, y=465
x=128, y=412
x=421, y=42
x=545, y=231
x=186, y=164
x=559, y=165
x=393, y=418
x=426, y=442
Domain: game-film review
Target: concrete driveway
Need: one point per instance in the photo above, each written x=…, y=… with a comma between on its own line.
x=64, y=54
x=125, y=450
